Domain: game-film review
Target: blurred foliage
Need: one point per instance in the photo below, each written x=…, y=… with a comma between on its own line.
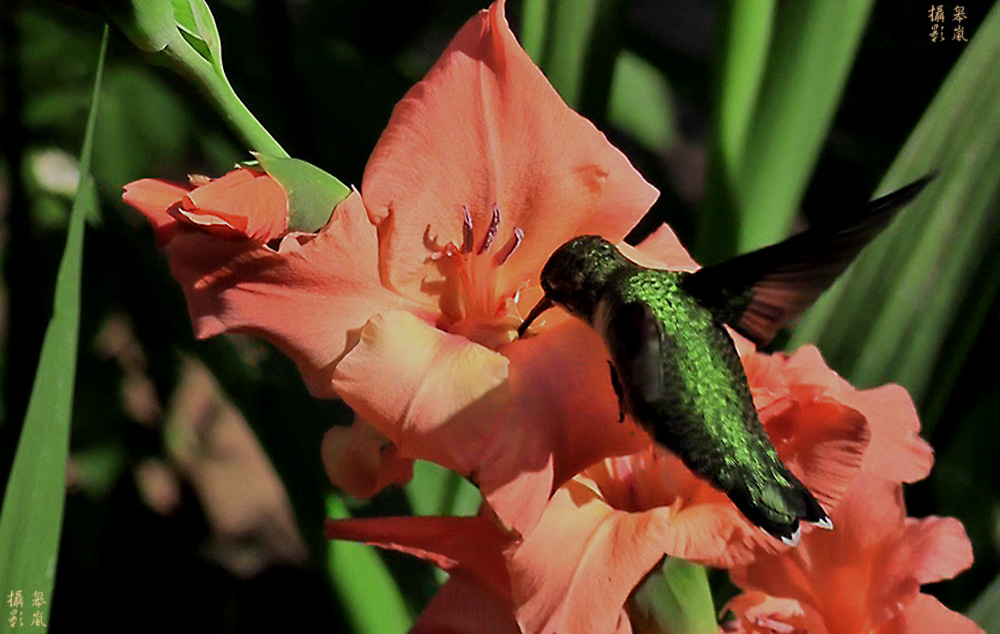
x=35, y=495
x=674, y=598
x=690, y=90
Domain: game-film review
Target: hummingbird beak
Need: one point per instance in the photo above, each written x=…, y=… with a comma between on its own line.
x=543, y=305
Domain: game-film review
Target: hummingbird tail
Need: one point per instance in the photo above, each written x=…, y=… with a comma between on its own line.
x=777, y=508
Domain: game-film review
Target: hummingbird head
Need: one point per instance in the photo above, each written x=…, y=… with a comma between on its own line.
x=575, y=276
x=577, y=272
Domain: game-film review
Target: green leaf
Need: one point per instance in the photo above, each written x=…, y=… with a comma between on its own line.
x=435, y=490
x=767, y=147
x=99, y=468
x=641, y=104
x=746, y=37
x=914, y=289
x=312, y=193
x=31, y=520
x=534, y=24
x=576, y=43
x=986, y=609
x=366, y=588
x=675, y=599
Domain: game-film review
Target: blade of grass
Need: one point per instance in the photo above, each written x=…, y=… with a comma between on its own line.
x=747, y=27
x=986, y=609
x=640, y=103
x=890, y=316
x=31, y=520
x=811, y=53
x=367, y=590
x=435, y=490
x=674, y=598
x=576, y=43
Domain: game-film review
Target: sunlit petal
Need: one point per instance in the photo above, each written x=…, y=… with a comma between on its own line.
x=485, y=128
x=310, y=297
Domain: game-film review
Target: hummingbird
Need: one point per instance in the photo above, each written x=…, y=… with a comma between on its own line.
x=674, y=367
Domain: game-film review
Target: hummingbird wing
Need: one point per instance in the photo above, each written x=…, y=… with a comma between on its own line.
x=760, y=292
x=634, y=338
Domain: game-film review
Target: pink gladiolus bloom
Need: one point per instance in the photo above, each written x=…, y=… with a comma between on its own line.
x=243, y=204
x=406, y=303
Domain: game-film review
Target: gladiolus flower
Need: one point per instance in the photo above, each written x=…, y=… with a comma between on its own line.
x=865, y=576
x=406, y=303
x=244, y=203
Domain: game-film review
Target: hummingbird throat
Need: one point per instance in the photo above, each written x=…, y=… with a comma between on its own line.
x=471, y=303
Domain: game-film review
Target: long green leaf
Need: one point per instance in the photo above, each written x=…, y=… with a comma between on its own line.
x=986, y=609
x=367, y=590
x=31, y=520
x=764, y=161
x=747, y=26
x=912, y=291
x=640, y=103
x=576, y=43
x=674, y=599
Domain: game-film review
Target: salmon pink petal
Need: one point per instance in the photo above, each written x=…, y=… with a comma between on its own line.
x=759, y=613
x=575, y=570
x=563, y=382
x=472, y=545
x=153, y=199
x=251, y=203
x=477, y=596
x=485, y=128
x=661, y=250
x=927, y=614
x=516, y=426
x=835, y=568
x=361, y=462
x=929, y=550
x=896, y=451
x=870, y=567
x=822, y=442
x=429, y=392
x=310, y=297
x=442, y=398
x=463, y=605
x=704, y=525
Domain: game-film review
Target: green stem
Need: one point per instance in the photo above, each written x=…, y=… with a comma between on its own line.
x=213, y=81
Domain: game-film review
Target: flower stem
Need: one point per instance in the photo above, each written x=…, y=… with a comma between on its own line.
x=211, y=78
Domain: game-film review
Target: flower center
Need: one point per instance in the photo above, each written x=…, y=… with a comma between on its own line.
x=471, y=304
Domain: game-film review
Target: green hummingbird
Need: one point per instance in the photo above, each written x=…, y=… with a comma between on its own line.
x=675, y=368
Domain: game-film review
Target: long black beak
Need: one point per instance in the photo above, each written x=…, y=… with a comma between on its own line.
x=543, y=305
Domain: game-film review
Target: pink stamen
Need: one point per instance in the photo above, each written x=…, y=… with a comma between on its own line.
x=508, y=249
x=466, y=230
x=491, y=232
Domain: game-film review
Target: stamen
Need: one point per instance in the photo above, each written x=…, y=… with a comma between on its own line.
x=509, y=248
x=491, y=232
x=466, y=231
